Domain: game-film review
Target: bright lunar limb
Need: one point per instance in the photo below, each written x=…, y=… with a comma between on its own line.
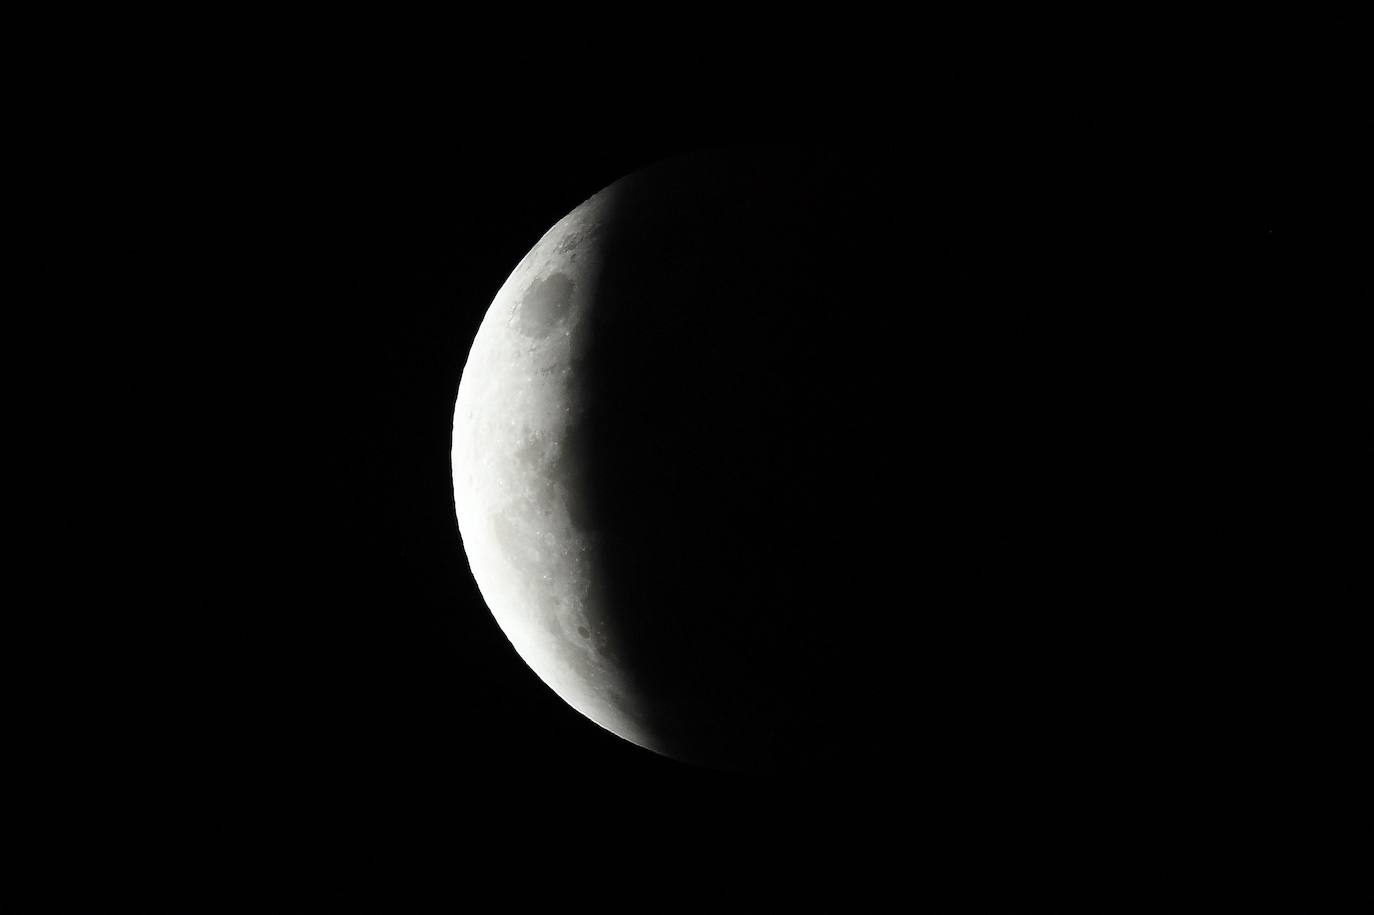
x=516, y=475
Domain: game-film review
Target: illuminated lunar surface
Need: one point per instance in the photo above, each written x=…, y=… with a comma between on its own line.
x=652, y=446
x=516, y=476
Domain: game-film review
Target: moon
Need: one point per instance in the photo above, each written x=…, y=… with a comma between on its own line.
x=649, y=437
x=517, y=476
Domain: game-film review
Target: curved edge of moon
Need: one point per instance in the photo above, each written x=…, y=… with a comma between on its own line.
x=516, y=475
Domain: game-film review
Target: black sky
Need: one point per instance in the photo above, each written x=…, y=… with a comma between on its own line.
x=1136, y=333
x=1050, y=258
x=1111, y=639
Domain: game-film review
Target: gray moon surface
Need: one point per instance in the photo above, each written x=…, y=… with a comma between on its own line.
x=516, y=476
x=654, y=442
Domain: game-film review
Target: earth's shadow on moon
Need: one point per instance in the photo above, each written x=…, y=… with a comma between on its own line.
x=720, y=448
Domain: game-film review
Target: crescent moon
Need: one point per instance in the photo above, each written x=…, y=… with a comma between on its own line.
x=516, y=476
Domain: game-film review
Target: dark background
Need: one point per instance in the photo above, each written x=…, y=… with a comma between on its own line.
x=1138, y=628
x=1063, y=458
